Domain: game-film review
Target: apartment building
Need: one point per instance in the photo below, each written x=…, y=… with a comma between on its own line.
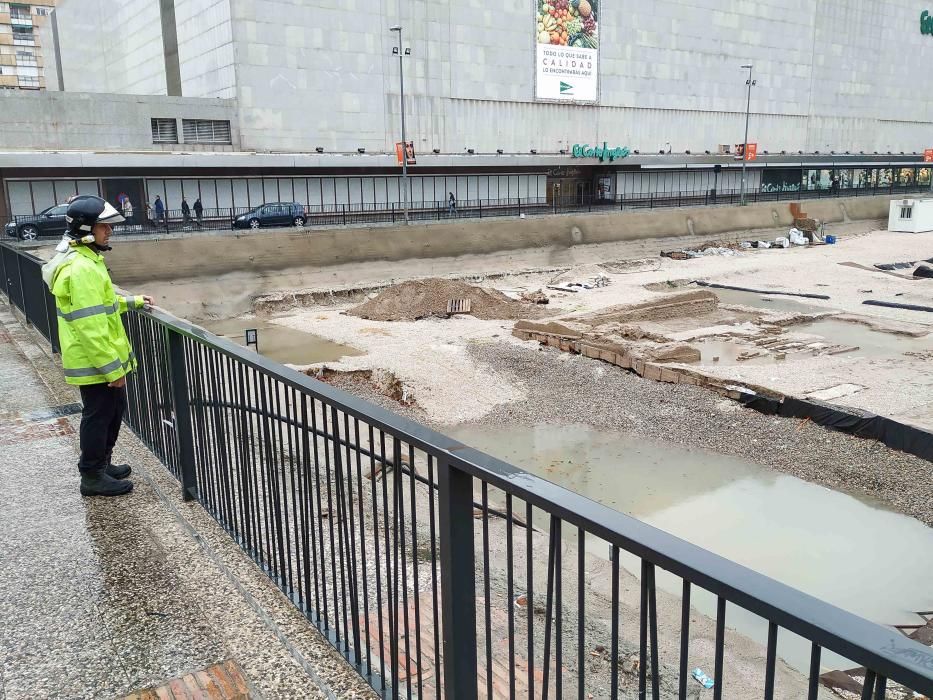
x=21, y=51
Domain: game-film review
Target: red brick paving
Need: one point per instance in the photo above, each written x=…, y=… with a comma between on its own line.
x=223, y=681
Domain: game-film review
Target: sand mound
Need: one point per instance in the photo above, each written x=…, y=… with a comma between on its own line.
x=418, y=299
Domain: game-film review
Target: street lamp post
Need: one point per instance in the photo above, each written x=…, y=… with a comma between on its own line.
x=748, y=105
x=401, y=81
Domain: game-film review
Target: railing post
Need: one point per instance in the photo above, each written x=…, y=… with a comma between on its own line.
x=458, y=584
x=184, y=436
x=344, y=214
x=481, y=208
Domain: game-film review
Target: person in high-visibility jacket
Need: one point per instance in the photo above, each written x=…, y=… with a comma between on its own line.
x=96, y=353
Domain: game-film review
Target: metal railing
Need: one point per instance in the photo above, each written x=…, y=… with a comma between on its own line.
x=21, y=281
x=437, y=570
x=176, y=221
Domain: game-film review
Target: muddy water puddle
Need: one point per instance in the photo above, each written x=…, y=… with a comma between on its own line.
x=282, y=344
x=807, y=536
x=870, y=343
x=771, y=302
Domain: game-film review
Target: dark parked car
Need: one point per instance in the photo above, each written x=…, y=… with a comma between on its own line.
x=274, y=214
x=50, y=222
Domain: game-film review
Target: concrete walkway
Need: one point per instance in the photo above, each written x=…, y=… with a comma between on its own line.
x=139, y=596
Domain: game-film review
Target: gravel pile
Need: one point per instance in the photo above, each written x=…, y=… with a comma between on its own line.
x=419, y=299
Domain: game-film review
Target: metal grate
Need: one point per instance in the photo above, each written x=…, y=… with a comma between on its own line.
x=164, y=130
x=206, y=130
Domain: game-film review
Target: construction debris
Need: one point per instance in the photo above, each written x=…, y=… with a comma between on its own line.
x=537, y=297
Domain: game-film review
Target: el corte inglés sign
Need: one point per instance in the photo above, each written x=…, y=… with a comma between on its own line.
x=603, y=153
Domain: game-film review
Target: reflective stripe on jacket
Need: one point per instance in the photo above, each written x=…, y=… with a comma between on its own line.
x=94, y=345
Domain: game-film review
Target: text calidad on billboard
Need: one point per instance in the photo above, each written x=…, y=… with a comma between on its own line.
x=567, y=56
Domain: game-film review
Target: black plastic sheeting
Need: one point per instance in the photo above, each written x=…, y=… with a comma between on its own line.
x=895, y=305
x=924, y=271
x=760, y=291
x=895, y=435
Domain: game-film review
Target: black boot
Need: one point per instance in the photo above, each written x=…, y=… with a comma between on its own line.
x=119, y=471
x=99, y=483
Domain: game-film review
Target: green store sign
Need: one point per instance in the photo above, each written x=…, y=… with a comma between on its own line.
x=926, y=23
x=603, y=152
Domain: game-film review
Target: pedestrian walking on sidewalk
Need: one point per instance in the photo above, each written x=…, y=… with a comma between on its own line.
x=199, y=211
x=96, y=353
x=185, y=212
x=452, y=205
x=160, y=211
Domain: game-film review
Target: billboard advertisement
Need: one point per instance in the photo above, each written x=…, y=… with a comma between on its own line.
x=567, y=50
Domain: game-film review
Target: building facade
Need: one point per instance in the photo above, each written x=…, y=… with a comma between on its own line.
x=587, y=98
x=22, y=51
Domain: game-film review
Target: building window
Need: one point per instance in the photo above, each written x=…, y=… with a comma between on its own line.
x=164, y=131
x=28, y=81
x=44, y=11
x=206, y=130
x=907, y=212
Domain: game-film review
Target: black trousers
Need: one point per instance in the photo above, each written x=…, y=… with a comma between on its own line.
x=100, y=424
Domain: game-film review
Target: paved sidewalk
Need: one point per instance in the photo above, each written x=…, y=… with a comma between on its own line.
x=104, y=598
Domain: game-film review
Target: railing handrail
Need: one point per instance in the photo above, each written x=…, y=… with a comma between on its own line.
x=884, y=650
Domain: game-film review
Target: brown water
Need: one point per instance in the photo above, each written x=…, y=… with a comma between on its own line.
x=282, y=344
x=773, y=302
x=870, y=343
x=807, y=536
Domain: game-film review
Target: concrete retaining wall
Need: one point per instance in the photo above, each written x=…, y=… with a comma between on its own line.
x=207, y=256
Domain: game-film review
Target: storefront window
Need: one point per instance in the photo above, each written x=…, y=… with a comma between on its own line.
x=846, y=179
x=923, y=176
x=906, y=177
x=865, y=178
x=819, y=179
x=885, y=176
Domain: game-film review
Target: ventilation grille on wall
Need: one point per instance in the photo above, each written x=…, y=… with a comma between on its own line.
x=206, y=130
x=164, y=131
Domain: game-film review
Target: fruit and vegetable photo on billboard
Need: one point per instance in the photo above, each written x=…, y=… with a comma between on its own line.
x=567, y=38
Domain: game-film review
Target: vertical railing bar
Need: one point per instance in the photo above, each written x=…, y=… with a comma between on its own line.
x=549, y=607
x=350, y=536
x=510, y=589
x=868, y=688
x=614, y=644
x=771, y=659
x=487, y=605
x=558, y=615
x=434, y=559
x=338, y=609
x=376, y=548
x=643, y=632
x=398, y=482
x=209, y=486
x=341, y=518
x=307, y=546
x=189, y=482
x=362, y=543
x=228, y=441
x=414, y=549
x=265, y=457
x=240, y=420
x=285, y=555
x=581, y=613
x=391, y=569
x=880, y=687
x=249, y=464
x=276, y=479
x=219, y=437
x=653, y=627
x=319, y=512
x=294, y=563
x=684, y=639
x=720, y=646
x=529, y=598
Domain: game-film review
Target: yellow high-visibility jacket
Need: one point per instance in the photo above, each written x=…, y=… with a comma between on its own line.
x=95, y=349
